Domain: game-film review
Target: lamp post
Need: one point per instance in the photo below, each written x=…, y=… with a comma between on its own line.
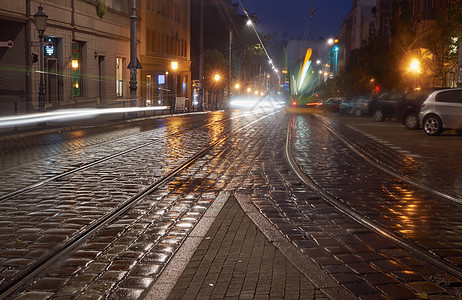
x=217, y=78
x=40, y=20
x=174, y=66
x=230, y=46
x=134, y=64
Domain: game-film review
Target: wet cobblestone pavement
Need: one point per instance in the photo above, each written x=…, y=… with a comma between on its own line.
x=123, y=260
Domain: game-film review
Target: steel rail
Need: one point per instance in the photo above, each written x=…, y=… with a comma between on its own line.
x=389, y=170
x=374, y=227
x=77, y=240
x=98, y=161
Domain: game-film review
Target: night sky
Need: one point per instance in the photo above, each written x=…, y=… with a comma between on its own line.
x=289, y=18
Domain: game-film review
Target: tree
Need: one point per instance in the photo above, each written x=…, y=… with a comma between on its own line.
x=214, y=63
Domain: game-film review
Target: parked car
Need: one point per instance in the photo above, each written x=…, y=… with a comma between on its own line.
x=402, y=106
x=442, y=109
x=386, y=105
x=331, y=105
x=347, y=104
x=410, y=105
x=362, y=106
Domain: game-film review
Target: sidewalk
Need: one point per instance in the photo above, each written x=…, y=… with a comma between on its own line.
x=239, y=255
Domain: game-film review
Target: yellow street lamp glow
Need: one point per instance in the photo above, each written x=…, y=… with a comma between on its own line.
x=414, y=66
x=216, y=77
x=237, y=86
x=249, y=90
x=75, y=63
x=174, y=65
x=256, y=92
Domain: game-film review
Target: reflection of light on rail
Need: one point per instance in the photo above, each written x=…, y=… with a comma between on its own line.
x=69, y=114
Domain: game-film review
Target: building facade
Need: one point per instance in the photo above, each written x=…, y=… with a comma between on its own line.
x=166, y=38
x=87, y=51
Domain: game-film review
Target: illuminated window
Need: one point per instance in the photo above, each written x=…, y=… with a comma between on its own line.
x=76, y=66
x=119, y=77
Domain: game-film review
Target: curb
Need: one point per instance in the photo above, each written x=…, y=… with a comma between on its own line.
x=313, y=272
x=169, y=276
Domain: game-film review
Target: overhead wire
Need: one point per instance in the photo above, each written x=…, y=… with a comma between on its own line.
x=259, y=39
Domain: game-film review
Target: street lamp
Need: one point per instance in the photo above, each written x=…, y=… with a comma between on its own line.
x=40, y=20
x=216, y=78
x=414, y=67
x=174, y=66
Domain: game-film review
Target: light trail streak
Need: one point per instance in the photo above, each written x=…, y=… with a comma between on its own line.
x=70, y=114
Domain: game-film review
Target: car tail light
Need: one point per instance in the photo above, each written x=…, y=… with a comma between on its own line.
x=294, y=103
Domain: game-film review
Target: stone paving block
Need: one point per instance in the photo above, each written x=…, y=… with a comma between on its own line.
x=397, y=291
x=389, y=265
x=65, y=271
x=360, y=288
x=137, y=282
x=112, y=276
x=34, y=296
x=426, y=287
x=48, y=284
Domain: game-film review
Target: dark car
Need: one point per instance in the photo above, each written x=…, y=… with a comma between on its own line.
x=362, y=105
x=404, y=107
x=409, y=108
x=347, y=104
x=331, y=105
x=386, y=105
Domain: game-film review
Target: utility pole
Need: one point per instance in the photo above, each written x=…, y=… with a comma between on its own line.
x=201, y=59
x=230, y=61
x=134, y=63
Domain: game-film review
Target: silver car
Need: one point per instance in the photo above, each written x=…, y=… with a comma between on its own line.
x=442, y=110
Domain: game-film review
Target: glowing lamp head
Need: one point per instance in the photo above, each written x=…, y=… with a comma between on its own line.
x=75, y=63
x=174, y=65
x=216, y=77
x=414, y=66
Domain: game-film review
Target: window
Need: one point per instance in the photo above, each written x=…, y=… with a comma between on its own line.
x=449, y=96
x=76, y=64
x=119, y=77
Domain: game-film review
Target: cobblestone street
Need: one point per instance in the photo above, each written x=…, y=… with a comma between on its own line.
x=125, y=258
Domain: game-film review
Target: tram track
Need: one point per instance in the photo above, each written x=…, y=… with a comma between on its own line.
x=85, y=166
x=63, y=250
x=425, y=254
